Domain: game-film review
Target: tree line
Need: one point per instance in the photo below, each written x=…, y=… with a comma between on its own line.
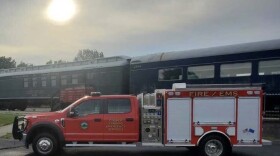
x=82, y=55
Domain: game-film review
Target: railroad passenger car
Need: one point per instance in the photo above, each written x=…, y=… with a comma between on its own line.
x=37, y=85
x=255, y=63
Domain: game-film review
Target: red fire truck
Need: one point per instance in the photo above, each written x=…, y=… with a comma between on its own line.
x=210, y=120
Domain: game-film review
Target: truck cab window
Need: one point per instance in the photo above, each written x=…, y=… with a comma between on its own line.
x=119, y=106
x=88, y=107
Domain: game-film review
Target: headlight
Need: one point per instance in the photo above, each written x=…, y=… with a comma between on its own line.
x=22, y=124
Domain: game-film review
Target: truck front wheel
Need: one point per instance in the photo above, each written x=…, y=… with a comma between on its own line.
x=214, y=145
x=45, y=144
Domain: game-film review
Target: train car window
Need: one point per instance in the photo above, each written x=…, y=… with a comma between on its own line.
x=119, y=105
x=236, y=69
x=34, y=82
x=25, y=82
x=53, y=81
x=200, y=72
x=75, y=79
x=64, y=80
x=170, y=74
x=271, y=67
x=92, y=76
x=44, y=81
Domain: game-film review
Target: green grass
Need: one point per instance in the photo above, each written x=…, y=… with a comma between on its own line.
x=6, y=118
x=7, y=136
x=271, y=138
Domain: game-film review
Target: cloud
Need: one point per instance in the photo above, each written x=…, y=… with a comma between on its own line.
x=133, y=28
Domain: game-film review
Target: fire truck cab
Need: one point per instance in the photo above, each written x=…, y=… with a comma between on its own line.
x=211, y=120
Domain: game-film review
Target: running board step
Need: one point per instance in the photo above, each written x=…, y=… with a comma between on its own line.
x=100, y=145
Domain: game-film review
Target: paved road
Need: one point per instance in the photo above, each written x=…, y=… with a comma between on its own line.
x=241, y=151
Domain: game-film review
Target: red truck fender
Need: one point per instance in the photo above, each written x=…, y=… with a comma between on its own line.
x=47, y=127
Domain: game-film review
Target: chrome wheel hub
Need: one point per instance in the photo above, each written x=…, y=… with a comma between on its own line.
x=213, y=148
x=44, y=145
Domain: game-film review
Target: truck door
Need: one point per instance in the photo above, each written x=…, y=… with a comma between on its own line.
x=88, y=123
x=121, y=120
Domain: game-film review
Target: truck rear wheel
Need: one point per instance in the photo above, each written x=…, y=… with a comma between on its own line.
x=45, y=144
x=214, y=145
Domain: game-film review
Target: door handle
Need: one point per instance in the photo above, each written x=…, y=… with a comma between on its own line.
x=97, y=120
x=129, y=119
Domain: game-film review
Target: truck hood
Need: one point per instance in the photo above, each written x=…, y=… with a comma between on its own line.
x=44, y=115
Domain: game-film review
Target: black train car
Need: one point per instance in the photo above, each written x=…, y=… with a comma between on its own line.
x=256, y=63
x=39, y=85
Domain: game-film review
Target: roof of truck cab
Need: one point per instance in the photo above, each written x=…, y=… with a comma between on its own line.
x=109, y=96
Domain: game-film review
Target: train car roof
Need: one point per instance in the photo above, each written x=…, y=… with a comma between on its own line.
x=212, y=51
x=70, y=66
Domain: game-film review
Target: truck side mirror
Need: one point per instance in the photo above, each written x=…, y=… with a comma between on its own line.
x=73, y=113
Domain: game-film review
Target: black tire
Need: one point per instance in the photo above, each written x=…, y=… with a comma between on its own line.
x=45, y=144
x=214, y=145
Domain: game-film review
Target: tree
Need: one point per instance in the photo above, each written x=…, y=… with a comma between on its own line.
x=59, y=62
x=87, y=54
x=7, y=62
x=22, y=64
x=56, y=62
x=49, y=62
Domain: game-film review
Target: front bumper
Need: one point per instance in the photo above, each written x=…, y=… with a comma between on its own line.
x=18, y=131
x=19, y=126
x=23, y=140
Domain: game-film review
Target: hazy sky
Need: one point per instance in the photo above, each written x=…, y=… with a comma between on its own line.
x=133, y=27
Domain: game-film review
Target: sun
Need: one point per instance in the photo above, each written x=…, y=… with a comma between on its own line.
x=61, y=11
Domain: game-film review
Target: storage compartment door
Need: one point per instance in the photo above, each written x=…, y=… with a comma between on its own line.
x=248, y=126
x=178, y=120
x=211, y=110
